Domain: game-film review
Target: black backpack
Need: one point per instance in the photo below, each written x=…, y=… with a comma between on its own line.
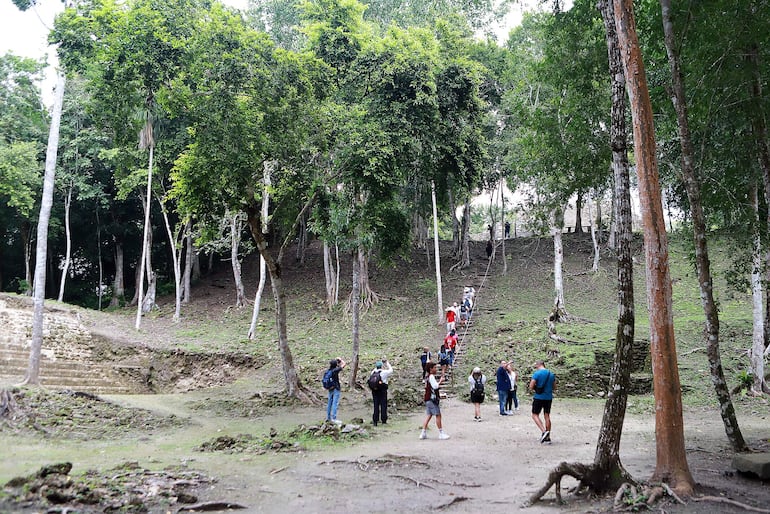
x=374, y=381
x=478, y=387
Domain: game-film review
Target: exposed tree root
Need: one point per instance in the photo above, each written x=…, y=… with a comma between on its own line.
x=211, y=506
x=7, y=403
x=456, y=499
x=416, y=482
x=719, y=499
x=574, y=469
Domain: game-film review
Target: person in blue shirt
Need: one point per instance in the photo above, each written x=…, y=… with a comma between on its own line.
x=503, y=386
x=543, y=383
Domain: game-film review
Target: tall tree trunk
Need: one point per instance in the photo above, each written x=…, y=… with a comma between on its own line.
x=118, y=285
x=599, y=230
x=26, y=242
x=437, y=256
x=594, y=238
x=41, y=252
x=100, y=289
x=68, y=245
x=464, y=260
x=456, y=226
x=759, y=129
x=758, y=332
x=266, y=178
x=702, y=263
x=235, y=241
x=558, y=263
x=293, y=386
x=579, y=213
x=330, y=277
x=175, y=243
x=609, y=468
x=302, y=241
x=188, y=262
x=355, y=308
x=671, y=459
x=502, y=224
x=146, y=235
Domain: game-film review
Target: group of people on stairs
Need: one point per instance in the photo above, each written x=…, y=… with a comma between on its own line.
x=542, y=383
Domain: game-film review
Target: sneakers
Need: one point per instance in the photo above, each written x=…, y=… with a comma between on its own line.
x=476, y=418
x=503, y=413
x=336, y=422
x=423, y=434
x=509, y=412
x=443, y=435
x=546, y=436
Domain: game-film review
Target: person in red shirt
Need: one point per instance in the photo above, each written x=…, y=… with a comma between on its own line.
x=450, y=341
x=451, y=318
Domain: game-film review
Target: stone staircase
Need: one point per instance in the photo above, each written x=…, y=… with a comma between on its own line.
x=67, y=358
x=59, y=373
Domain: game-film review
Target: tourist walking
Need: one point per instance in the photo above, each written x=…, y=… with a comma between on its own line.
x=425, y=356
x=477, y=380
x=378, y=383
x=432, y=398
x=503, y=386
x=543, y=383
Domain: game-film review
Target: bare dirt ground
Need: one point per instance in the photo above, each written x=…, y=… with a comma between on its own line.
x=495, y=464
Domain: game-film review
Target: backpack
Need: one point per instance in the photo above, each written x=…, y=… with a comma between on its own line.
x=374, y=381
x=477, y=393
x=328, y=380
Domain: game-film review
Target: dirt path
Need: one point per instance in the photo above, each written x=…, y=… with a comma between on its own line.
x=495, y=464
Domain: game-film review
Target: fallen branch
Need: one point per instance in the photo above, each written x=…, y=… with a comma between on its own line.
x=210, y=506
x=718, y=499
x=456, y=499
x=416, y=482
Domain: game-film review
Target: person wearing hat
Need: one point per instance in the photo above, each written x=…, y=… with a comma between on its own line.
x=335, y=366
x=378, y=383
x=477, y=381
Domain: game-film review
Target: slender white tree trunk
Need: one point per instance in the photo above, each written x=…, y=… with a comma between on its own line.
x=437, y=257
x=188, y=262
x=502, y=224
x=594, y=239
x=558, y=260
x=145, y=244
x=118, y=285
x=262, y=264
x=33, y=370
x=68, y=250
x=235, y=241
x=330, y=277
x=176, y=260
x=99, y=256
x=337, y=286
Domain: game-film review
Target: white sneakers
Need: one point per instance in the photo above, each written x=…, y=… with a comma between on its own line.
x=441, y=435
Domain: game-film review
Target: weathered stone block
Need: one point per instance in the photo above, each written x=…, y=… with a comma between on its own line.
x=756, y=463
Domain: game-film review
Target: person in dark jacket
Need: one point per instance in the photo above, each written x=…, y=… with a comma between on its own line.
x=503, y=386
x=380, y=395
x=335, y=365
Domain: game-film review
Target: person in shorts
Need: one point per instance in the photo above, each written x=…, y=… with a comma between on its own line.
x=542, y=383
x=432, y=398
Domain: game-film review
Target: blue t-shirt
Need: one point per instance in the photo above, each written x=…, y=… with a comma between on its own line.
x=544, y=378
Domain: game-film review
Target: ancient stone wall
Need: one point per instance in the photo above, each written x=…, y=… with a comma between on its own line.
x=64, y=336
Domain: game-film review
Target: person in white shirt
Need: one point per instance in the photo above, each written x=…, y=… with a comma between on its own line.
x=431, y=397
